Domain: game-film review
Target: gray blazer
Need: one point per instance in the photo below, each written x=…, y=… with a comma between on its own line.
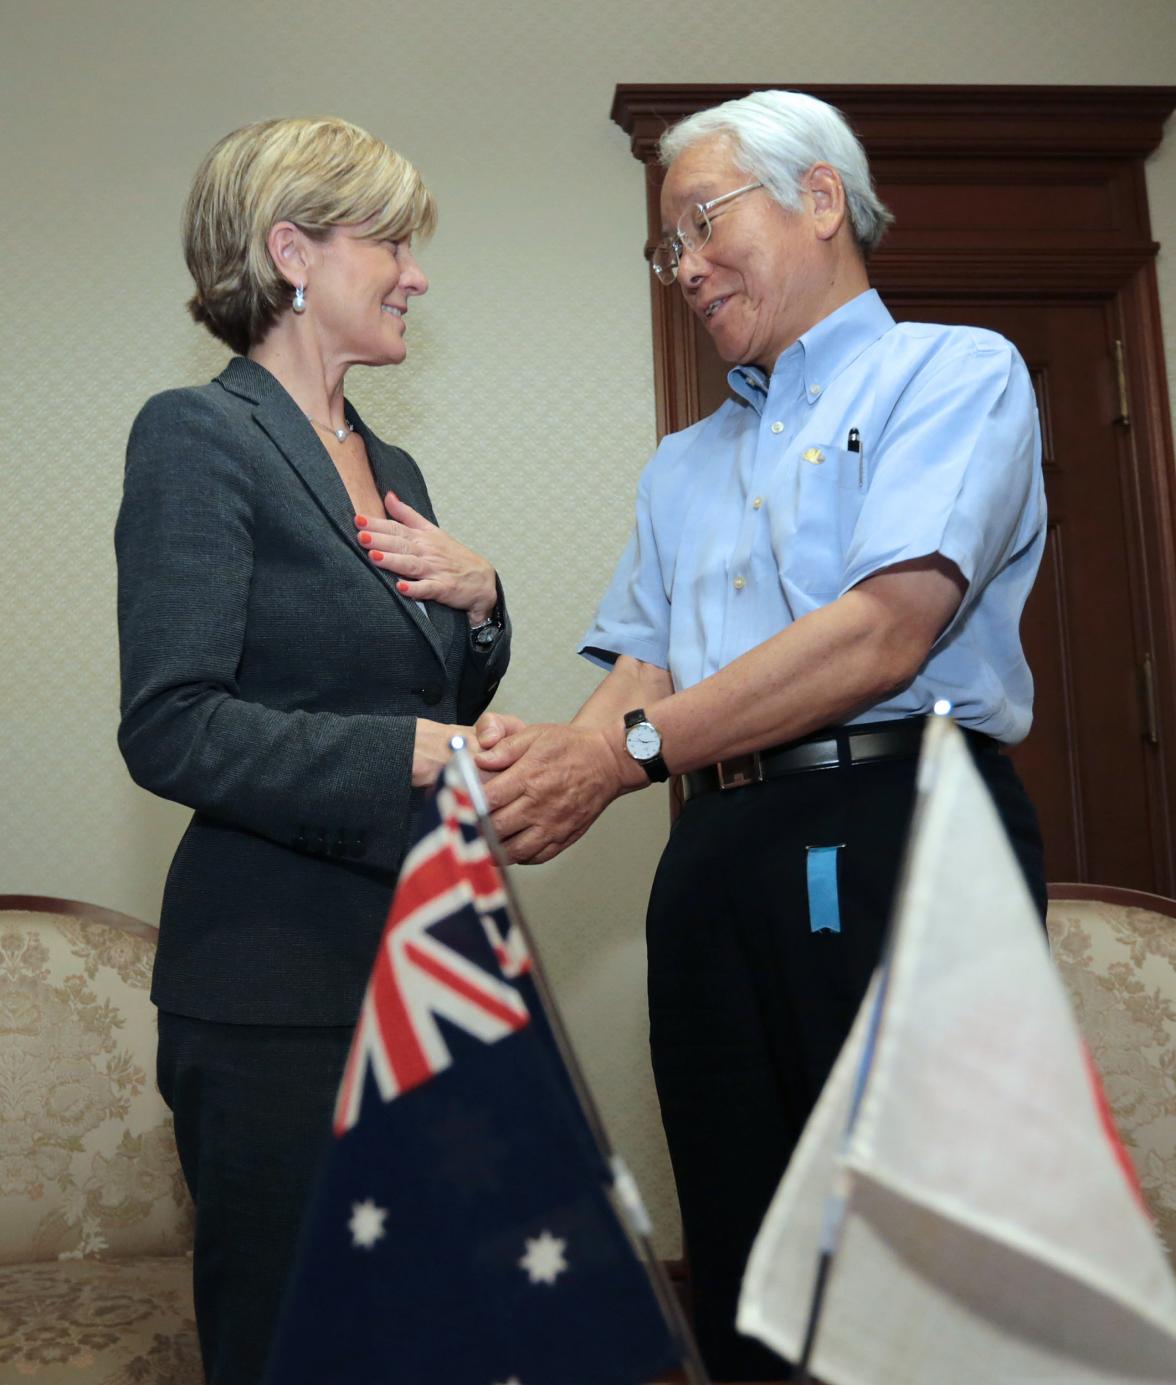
x=271, y=680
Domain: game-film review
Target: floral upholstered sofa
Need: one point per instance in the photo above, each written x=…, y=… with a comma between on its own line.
x=1116, y=951
x=95, y=1222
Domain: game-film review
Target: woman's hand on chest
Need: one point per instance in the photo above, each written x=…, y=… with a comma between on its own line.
x=430, y=564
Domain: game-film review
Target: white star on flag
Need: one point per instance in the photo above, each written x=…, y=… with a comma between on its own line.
x=544, y=1260
x=366, y=1224
x=514, y=1380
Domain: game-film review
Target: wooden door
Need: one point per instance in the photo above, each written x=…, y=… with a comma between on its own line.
x=1054, y=253
x=1086, y=761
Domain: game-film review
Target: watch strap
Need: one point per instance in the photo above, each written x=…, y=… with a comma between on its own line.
x=655, y=767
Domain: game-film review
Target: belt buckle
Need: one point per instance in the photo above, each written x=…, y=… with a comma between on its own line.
x=740, y=770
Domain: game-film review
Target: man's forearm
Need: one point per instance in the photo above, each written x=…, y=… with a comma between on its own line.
x=629, y=684
x=804, y=678
x=831, y=664
x=553, y=781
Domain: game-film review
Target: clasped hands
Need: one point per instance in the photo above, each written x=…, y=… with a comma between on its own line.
x=546, y=783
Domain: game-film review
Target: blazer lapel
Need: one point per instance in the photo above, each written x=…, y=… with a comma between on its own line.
x=295, y=438
x=391, y=474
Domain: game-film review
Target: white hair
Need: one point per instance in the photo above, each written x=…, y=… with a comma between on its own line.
x=777, y=136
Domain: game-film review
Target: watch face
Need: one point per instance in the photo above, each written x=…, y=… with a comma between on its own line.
x=643, y=741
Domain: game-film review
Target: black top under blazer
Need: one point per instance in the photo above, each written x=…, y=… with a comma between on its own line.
x=272, y=676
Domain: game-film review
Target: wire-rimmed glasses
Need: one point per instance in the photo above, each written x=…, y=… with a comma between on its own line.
x=691, y=233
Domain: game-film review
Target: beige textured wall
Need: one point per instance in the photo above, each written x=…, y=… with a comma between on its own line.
x=527, y=396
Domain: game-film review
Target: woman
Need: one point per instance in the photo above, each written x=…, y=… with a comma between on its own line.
x=298, y=639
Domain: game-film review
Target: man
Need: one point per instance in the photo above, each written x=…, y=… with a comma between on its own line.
x=848, y=540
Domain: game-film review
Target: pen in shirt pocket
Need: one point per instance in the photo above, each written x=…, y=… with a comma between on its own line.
x=854, y=444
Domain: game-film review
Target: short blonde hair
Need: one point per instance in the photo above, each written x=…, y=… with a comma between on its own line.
x=317, y=173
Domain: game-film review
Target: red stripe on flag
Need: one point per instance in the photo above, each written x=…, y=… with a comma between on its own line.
x=513, y=1019
x=350, y=1073
x=476, y=860
x=483, y=875
x=430, y=878
x=1107, y=1117
x=406, y=1057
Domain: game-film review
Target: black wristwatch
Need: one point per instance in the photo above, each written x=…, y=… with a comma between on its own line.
x=484, y=635
x=643, y=742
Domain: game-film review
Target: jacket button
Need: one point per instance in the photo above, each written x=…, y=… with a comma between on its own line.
x=431, y=694
x=359, y=846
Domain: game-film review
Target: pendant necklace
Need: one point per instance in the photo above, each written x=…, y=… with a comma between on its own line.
x=341, y=434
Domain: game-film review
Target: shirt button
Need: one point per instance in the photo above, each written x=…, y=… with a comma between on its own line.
x=777, y=427
x=740, y=583
x=757, y=502
x=814, y=390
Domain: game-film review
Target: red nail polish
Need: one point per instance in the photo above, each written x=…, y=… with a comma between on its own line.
x=375, y=555
x=402, y=586
x=361, y=521
x=366, y=540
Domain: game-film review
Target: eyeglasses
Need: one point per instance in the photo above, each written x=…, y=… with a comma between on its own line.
x=691, y=233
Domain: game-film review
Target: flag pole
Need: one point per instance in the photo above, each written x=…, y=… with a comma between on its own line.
x=625, y=1193
x=837, y=1202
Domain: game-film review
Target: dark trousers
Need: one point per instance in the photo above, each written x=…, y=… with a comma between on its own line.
x=252, y=1107
x=749, y=1006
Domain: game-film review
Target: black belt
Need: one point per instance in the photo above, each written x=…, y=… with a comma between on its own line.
x=842, y=745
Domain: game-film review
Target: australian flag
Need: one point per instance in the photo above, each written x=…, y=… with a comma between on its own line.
x=462, y=1232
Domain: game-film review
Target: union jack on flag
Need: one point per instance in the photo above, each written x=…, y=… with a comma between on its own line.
x=463, y=1229
x=418, y=976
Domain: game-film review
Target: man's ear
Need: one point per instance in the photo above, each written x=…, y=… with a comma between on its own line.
x=827, y=196
x=289, y=251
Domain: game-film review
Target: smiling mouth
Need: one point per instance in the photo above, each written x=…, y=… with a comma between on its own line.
x=395, y=312
x=712, y=308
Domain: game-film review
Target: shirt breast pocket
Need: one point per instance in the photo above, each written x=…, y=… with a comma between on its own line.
x=828, y=487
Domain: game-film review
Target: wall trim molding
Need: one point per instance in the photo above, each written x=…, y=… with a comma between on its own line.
x=970, y=121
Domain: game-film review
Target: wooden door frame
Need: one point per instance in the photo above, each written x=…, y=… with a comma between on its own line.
x=1055, y=138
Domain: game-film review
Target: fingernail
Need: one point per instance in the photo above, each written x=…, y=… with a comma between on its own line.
x=393, y=495
x=361, y=521
x=375, y=555
x=366, y=540
x=402, y=586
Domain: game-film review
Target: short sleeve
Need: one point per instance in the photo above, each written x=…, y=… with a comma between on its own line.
x=634, y=615
x=957, y=471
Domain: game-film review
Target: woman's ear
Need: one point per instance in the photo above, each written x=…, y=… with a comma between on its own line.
x=289, y=251
x=824, y=187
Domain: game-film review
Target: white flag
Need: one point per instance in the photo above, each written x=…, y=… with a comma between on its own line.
x=994, y=1234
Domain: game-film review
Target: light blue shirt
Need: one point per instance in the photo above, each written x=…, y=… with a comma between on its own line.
x=761, y=513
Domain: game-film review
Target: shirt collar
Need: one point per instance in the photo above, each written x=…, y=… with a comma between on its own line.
x=821, y=354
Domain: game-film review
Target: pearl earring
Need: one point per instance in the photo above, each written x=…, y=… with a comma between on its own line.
x=299, y=304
